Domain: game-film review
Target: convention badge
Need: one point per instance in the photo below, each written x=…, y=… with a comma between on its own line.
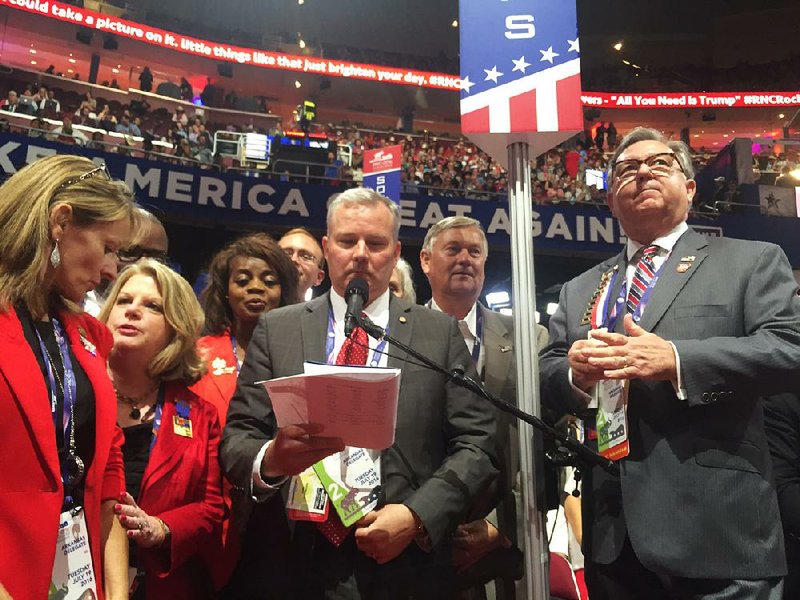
x=612, y=418
x=351, y=482
x=307, y=498
x=73, y=574
x=182, y=426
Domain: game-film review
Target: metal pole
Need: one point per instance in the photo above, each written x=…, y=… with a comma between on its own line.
x=524, y=298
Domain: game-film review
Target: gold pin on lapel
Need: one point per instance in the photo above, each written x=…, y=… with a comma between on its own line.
x=683, y=267
x=505, y=349
x=688, y=259
x=402, y=319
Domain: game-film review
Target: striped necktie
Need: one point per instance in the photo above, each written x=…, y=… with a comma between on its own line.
x=642, y=277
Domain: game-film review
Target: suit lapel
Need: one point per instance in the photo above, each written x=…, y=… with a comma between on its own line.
x=21, y=370
x=498, y=363
x=314, y=328
x=671, y=282
x=94, y=366
x=400, y=328
x=165, y=455
x=621, y=263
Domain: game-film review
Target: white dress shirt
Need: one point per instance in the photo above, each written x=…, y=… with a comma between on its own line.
x=468, y=326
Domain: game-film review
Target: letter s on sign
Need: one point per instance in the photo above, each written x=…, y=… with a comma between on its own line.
x=520, y=27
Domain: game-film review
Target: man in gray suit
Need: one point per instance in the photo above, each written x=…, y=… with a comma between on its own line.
x=453, y=257
x=442, y=459
x=713, y=328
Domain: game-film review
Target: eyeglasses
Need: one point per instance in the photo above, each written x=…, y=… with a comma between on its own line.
x=306, y=257
x=96, y=171
x=659, y=164
x=134, y=253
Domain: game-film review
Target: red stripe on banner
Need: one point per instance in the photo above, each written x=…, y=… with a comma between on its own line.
x=570, y=109
x=476, y=122
x=523, y=112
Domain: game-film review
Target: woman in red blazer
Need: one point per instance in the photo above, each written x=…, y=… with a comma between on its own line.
x=173, y=509
x=250, y=276
x=62, y=221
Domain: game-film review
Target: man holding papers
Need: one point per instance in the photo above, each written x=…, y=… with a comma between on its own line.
x=441, y=460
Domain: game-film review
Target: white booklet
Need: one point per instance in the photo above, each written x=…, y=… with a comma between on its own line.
x=357, y=404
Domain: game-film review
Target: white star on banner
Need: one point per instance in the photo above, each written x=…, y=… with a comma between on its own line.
x=520, y=65
x=574, y=45
x=493, y=74
x=548, y=55
x=466, y=84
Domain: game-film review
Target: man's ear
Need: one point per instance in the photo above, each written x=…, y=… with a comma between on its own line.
x=691, y=190
x=425, y=261
x=60, y=217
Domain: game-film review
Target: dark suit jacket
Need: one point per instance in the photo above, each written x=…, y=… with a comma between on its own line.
x=782, y=420
x=31, y=492
x=696, y=495
x=443, y=455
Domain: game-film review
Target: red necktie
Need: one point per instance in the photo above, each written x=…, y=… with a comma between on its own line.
x=353, y=352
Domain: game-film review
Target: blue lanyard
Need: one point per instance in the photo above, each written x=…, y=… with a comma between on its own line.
x=235, y=356
x=157, y=416
x=70, y=385
x=330, y=343
x=619, y=305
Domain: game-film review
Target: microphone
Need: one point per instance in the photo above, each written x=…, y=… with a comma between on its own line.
x=356, y=295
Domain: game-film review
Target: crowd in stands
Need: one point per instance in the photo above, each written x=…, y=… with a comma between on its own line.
x=432, y=164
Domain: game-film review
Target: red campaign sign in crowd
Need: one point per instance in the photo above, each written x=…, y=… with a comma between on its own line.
x=378, y=73
x=691, y=100
x=388, y=158
x=237, y=54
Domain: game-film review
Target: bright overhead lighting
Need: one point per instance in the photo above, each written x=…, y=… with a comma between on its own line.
x=497, y=298
x=552, y=307
x=301, y=2
x=70, y=71
x=780, y=116
x=297, y=84
x=454, y=23
x=33, y=62
x=302, y=43
x=115, y=71
x=72, y=61
x=725, y=135
x=697, y=135
x=617, y=46
x=626, y=62
x=32, y=51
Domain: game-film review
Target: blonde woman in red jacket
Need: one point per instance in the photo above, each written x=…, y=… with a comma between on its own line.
x=173, y=508
x=62, y=221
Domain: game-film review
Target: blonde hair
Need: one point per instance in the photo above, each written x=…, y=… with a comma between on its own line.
x=26, y=200
x=179, y=360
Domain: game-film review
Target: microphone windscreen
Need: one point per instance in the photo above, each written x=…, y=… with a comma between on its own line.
x=358, y=286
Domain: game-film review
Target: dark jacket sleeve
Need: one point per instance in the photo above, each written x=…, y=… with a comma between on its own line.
x=782, y=422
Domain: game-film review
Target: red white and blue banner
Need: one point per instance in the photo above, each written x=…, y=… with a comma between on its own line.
x=382, y=170
x=520, y=73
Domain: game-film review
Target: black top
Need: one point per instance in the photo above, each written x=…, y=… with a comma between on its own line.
x=135, y=454
x=85, y=413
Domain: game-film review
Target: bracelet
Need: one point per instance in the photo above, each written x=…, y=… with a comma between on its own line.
x=165, y=529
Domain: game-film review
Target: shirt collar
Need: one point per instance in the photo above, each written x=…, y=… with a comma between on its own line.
x=665, y=242
x=377, y=311
x=471, y=319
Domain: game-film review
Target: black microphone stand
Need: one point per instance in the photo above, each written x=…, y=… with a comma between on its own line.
x=587, y=455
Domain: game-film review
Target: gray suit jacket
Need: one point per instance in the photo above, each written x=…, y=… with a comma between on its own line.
x=696, y=494
x=443, y=456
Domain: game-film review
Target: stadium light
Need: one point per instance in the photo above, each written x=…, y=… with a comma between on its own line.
x=618, y=46
x=781, y=116
x=454, y=23
x=552, y=307
x=302, y=43
x=297, y=84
